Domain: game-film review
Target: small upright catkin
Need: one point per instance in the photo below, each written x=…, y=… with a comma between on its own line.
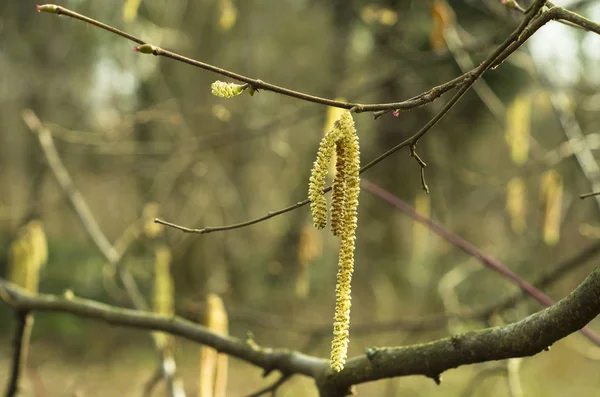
x=344, y=210
x=213, y=365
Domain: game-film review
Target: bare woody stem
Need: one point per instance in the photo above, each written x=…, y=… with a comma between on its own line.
x=257, y=84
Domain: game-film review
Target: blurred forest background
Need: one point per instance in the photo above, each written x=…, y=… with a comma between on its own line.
x=142, y=136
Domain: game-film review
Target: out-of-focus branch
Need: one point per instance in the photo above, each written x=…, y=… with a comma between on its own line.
x=470, y=249
x=257, y=84
x=576, y=138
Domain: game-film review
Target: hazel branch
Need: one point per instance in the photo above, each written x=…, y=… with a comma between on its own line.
x=257, y=84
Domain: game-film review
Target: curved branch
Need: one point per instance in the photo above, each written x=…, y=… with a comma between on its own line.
x=269, y=359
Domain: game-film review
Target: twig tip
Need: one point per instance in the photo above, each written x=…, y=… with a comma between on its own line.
x=51, y=8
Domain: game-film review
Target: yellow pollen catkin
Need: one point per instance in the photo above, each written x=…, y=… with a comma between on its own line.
x=341, y=326
x=318, y=204
x=338, y=194
x=227, y=90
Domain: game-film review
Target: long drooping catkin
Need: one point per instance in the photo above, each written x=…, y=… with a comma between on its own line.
x=344, y=210
x=318, y=204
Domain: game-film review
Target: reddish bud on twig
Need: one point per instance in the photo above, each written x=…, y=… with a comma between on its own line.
x=145, y=49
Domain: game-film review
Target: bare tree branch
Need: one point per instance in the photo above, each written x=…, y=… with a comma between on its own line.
x=257, y=84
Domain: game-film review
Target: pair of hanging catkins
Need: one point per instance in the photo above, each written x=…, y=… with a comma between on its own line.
x=342, y=140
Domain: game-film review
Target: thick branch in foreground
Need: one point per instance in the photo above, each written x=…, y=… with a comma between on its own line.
x=524, y=338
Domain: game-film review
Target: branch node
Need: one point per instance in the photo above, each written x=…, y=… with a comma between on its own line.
x=371, y=353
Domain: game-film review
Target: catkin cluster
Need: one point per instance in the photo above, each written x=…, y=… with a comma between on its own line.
x=344, y=205
x=227, y=90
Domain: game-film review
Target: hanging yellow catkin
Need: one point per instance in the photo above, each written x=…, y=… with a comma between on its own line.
x=318, y=204
x=518, y=127
x=163, y=292
x=552, y=190
x=150, y=228
x=213, y=365
x=227, y=90
x=332, y=114
x=28, y=254
x=341, y=325
x=227, y=15
x=516, y=204
x=130, y=10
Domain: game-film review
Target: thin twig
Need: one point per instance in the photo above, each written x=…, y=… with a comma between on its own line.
x=258, y=84
x=586, y=195
x=422, y=165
